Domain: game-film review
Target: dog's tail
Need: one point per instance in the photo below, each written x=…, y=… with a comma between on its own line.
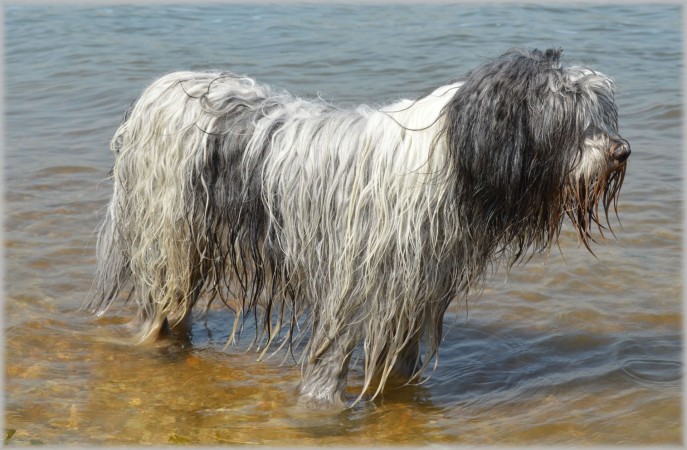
x=150, y=247
x=112, y=270
x=118, y=275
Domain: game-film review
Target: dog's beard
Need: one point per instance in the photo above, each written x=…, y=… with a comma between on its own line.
x=589, y=201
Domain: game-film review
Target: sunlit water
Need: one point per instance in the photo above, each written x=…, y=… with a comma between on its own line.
x=569, y=349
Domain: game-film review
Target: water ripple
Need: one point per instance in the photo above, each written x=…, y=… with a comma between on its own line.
x=653, y=372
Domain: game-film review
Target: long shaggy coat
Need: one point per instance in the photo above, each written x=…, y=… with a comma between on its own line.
x=354, y=228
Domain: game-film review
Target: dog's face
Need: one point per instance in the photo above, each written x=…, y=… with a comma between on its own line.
x=602, y=152
x=591, y=96
x=598, y=170
x=596, y=184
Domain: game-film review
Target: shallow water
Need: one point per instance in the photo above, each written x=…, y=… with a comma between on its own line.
x=569, y=349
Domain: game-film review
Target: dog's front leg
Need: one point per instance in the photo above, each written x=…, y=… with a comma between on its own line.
x=326, y=369
x=408, y=364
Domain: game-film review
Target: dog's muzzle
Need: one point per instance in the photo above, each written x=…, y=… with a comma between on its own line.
x=620, y=150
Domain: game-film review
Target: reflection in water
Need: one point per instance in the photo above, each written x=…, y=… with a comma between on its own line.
x=173, y=393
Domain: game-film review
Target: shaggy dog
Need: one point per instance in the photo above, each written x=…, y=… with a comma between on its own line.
x=350, y=228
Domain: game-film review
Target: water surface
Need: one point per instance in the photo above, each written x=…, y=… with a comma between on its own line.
x=569, y=349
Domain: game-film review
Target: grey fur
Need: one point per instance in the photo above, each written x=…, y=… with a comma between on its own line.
x=363, y=224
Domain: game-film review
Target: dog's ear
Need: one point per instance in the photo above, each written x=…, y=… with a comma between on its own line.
x=553, y=54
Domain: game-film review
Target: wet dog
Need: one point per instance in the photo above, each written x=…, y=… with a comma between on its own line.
x=351, y=228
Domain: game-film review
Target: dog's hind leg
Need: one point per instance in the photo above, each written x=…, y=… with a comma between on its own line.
x=167, y=294
x=177, y=326
x=177, y=323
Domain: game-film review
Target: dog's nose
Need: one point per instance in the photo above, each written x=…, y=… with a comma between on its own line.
x=620, y=150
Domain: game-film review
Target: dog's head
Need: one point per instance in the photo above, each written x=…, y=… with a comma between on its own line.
x=532, y=140
x=598, y=155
